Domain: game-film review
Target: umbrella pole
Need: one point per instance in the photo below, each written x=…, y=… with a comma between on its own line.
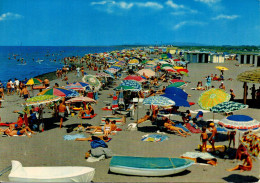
x=245, y=91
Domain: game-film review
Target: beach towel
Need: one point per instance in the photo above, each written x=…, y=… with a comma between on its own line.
x=106, y=109
x=73, y=137
x=192, y=128
x=154, y=137
x=23, y=135
x=6, y=124
x=203, y=155
x=180, y=126
x=197, y=110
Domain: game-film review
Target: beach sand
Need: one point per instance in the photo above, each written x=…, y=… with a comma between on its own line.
x=49, y=149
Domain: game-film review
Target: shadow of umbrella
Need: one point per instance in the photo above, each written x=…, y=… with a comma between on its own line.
x=240, y=178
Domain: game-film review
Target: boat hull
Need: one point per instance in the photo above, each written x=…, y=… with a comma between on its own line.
x=145, y=166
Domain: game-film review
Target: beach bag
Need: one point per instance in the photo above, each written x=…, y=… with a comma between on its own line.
x=132, y=126
x=98, y=143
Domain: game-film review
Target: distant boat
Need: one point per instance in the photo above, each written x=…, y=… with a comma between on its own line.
x=50, y=174
x=148, y=166
x=39, y=60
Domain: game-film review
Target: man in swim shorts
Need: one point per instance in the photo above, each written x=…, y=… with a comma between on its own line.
x=62, y=109
x=212, y=138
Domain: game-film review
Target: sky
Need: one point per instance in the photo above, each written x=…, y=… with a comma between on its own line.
x=127, y=22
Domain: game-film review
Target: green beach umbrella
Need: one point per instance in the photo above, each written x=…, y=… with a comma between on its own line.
x=33, y=81
x=177, y=84
x=229, y=106
x=41, y=99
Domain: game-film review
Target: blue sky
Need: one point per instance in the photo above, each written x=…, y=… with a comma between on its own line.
x=117, y=22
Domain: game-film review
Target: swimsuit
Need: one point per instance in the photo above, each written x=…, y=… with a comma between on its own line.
x=200, y=160
x=25, y=96
x=18, y=133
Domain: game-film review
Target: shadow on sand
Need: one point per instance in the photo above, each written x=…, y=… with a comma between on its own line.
x=240, y=178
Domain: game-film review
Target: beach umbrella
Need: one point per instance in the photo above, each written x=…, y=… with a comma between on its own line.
x=176, y=81
x=124, y=88
x=33, y=81
x=151, y=67
x=176, y=60
x=177, y=84
x=158, y=100
x=212, y=97
x=103, y=74
x=239, y=122
x=133, y=62
x=41, y=99
x=252, y=143
x=115, y=67
x=147, y=72
x=78, y=86
x=166, y=65
x=62, y=92
x=222, y=68
x=178, y=100
x=135, y=78
x=91, y=80
x=176, y=92
x=81, y=99
x=178, y=67
x=136, y=85
x=229, y=106
x=252, y=76
x=183, y=70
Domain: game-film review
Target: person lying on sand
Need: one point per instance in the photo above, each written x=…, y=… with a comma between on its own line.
x=106, y=129
x=143, y=119
x=104, y=138
x=169, y=125
x=13, y=132
x=212, y=161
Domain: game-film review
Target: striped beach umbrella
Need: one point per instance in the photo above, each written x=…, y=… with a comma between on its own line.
x=240, y=122
x=91, y=80
x=134, y=78
x=229, y=106
x=136, y=85
x=62, y=92
x=33, y=81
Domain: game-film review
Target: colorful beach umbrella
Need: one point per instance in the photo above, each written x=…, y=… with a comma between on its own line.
x=135, y=78
x=133, y=62
x=124, y=88
x=91, y=80
x=240, y=122
x=229, y=106
x=62, y=92
x=177, y=92
x=178, y=67
x=252, y=143
x=41, y=99
x=212, y=97
x=33, y=81
x=158, y=100
x=136, y=85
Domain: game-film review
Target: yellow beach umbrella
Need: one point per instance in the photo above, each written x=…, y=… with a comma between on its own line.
x=133, y=61
x=222, y=68
x=212, y=97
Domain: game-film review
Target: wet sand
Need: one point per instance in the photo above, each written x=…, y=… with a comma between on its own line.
x=49, y=149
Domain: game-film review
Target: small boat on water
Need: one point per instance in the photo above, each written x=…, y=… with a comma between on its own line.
x=50, y=174
x=148, y=166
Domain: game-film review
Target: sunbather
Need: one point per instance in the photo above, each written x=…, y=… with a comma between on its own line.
x=143, y=119
x=104, y=138
x=170, y=126
x=106, y=129
x=204, y=161
x=13, y=132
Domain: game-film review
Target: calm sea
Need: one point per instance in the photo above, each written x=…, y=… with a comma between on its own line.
x=29, y=61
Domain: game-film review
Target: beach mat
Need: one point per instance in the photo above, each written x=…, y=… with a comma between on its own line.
x=154, y=138
x=220, y=148
x=192, y=129
x=120, y=119
x=89, y=117
x=6, y=124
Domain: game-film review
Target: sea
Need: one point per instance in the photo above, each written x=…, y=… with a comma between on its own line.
x=30, y=61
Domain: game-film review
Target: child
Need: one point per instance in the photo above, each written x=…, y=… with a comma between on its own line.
x=231, y=137
x=204, y=138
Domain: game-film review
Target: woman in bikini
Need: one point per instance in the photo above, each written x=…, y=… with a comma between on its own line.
x=204, y=161
x=13, y=132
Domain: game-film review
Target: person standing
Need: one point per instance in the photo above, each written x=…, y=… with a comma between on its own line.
x=77, y=69
x=204, y=139
x=253, y=92
x=232, y=95
x=62, y=109
x=25, y=93
x=208, y=82
x=212, y=138
x=222, y=86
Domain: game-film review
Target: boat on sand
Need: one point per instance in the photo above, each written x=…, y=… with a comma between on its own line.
x=148, y=166
x=50, y=174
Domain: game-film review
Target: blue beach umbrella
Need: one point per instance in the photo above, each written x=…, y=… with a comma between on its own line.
x=176, y=92
x=178, y=100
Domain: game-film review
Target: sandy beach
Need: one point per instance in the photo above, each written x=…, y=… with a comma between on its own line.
x=48, y=148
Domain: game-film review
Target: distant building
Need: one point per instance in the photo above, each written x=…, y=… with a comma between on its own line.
x=172, y=50
x=203, y=57
x=249, y=58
